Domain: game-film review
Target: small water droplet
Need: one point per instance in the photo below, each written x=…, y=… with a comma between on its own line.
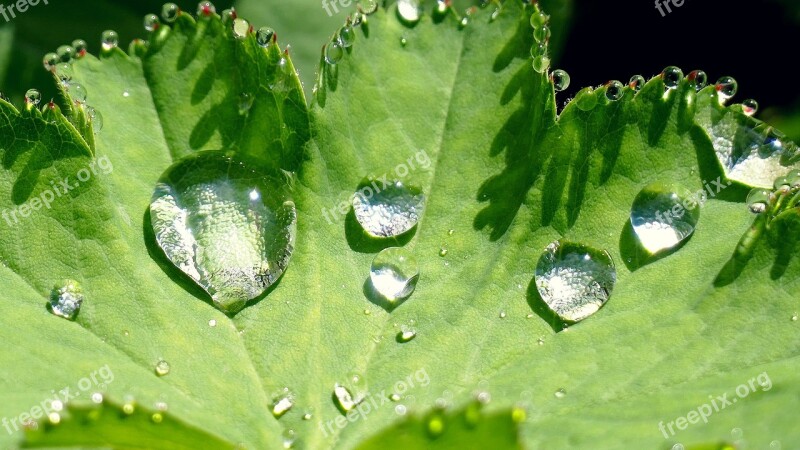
x=80, y=47
x=394, y=397
x=367, y=312
x=636, y=83
x=109, y=39
x=228, y=16
x=77, y=92
x=560, y=80
x=288, y=438
x=749, y=107
x=33, y=97
x=66, y=299
x=450, y=232
x=65, y=53
x=502, y=314
x=347, y=36
x=758, y=200
x=307, y=416
x=368, y=6
x=698, y=78
x=162, y=368
x=678, y=446
x=400, y=410
x=333, y=52
x=239, y=251
x=406, y=335
x=126, y=93
x=614, y=90
x=245, y=102
x=561, y=393
x=389, y=211
x=541, y=34
x=49, y=61
x=170, y=12
x=539, y=19
x=443, y=252
x=726, y=88
x=54, y=418
x=574, y=280
x=541, y=63
x=151, y=22
x=282, y=402
x=540, y=341
x=344, y=400
x=212, y=323
x=403, y=41
x=206, y=9
x=672, y=77
x=264, y=36
x=737, y=434
x=409, y=11
x=663, y=216
x=95, y=118
x=64, y=73
x=97, y=398
x=240, y=28
x=394, y=274
x=129, y=406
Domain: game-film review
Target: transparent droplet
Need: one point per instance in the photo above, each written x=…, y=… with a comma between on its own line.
x=170, y=12
x=344, y=400
x=80, y=47
x=407, y=334
x=347, y=36
x=574, y=280
x=162, y=368
x=538, y=19
x=245, y=102
x=442, y=6
x=307, y=416
x=394, y=274
x=151, y=22
x=664, y=215
x=794, y=317
x=282, y=402
x=541, y=34
x=395, y=397
x=64, y=73
x=614, y=90
x=561, y=393
x=288, y=438
x=264, y=36
x=502, y=314
x=677, y=446
x=400, y=410
x=443, y=252
x=387, y=209
x=560, y=80
x=737, y=434
x=65, y=53
x=726, y=88
x=758, y=200
x=212, y=323
x=240, y=28
x=403, y=41
x=206, y=9
x=109, y=39
x=33, y=97
x=749, y=107
x=66, y=299
x=541, y=63
x=228, y=16
x=698, y=78
x=409, y=11
x=334, y=52
x=636, y=83
x=95, y=118
x=49, y=61
x=672, y=77
x=368, y=6
x=540, y=341
x=77, y=92
x=244, y=246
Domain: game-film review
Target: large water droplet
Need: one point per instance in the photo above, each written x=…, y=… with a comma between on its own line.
x=170, y=12
x=65, y=53
x=574, y=280
x=394, y=274
x=387, y=210
x=282, y=402
x=636, y=83
x=758, y=200
x=227, y=226
x=368, y=6
x=344, y=400
x=77, y=92
x=33, y=97
x=347, y=36
x=49, y=61
x=726, y=88
x=95, y=118
x=409, y=11
x=334, y=52
x=672, y=77
x=240, y=28
x=66, y=299
x=151, y=22
x=662, y=216
x=749, y=107
x=698, y=78
x=560, y=80
x=614, y=90
x=264, y=36
x=109, y=39
x=206, y=9
x=80, y=47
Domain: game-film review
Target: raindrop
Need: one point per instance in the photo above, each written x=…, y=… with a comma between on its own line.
x=614, y=90
x=561, y=393
x=663, y=216
x=636, y=83
x=80, y=47
x=33, y=97
x=749, y=107
x=541, y=34
x=95, y=118
x=394, y=274
x=574, y=280
x=241, y=249
x=794, y=317
x=672, y=77
x=409, y=11
x=49, y=61
x=758, y=199
x=65, y=53
x=162, y=368
x=126, y=93
x=698, y=78
x=109, y=39
x=66, y=299
x=245, y=102
x=538, y=19
x=170, y=12
x=344, y=400
x=282, y=402
x=333, y=52
x=151, y=22
x=347, y=36
x=77, y=92
x=240, y=28
x=541, y=63
x=205, y=9
x=560, y=80
x=389, y=211
x=726, y=88
x=358, y=19
x=450, y=232
x=64, y=73
x=368, y=6
x=264, y=36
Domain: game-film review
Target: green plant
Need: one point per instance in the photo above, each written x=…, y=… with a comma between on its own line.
x=508, y=176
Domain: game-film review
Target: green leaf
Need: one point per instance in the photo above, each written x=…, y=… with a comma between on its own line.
x=459, y=112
